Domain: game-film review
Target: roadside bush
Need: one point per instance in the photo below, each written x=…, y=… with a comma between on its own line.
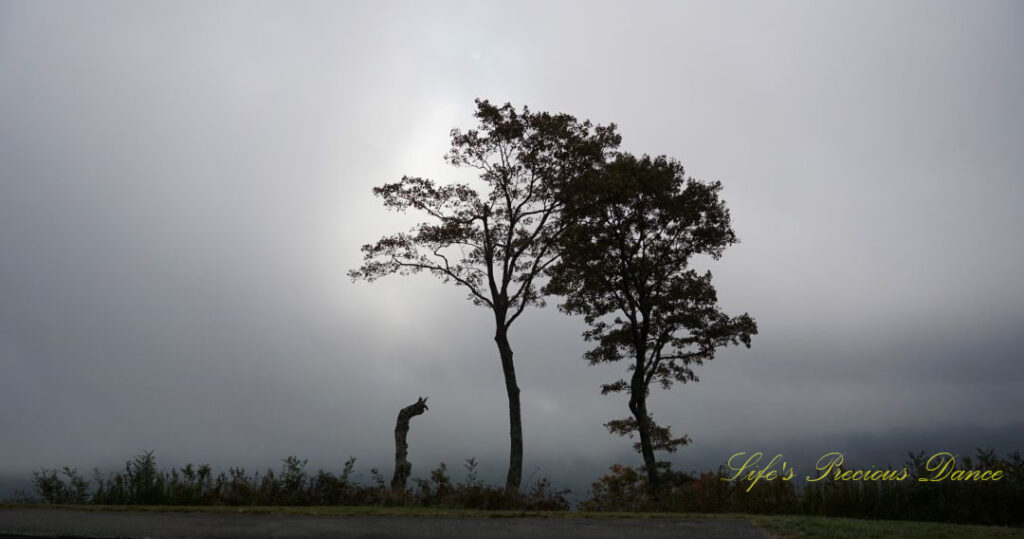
x=142, y=483
x=967, y=502
x=52, y=488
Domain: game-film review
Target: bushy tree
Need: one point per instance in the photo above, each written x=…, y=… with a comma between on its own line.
x=625, y=266
x=495, y=243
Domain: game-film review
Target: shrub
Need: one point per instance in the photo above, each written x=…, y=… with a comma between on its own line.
x=52, y=489
x=969, y=502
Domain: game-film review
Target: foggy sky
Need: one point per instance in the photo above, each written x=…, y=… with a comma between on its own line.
x=183, y=187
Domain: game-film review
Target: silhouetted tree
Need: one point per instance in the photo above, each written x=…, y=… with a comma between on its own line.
x=494, y=245
x=402, y=465
x=625, y=268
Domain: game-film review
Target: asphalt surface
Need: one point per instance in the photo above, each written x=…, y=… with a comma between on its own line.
x=22, y=523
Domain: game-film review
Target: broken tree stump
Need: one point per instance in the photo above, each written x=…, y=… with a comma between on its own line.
x=402, y=466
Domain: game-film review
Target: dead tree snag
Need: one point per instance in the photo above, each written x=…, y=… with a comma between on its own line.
x=402, y=466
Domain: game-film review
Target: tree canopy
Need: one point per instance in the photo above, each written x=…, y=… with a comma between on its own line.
x=495, y=243
x=630, y=237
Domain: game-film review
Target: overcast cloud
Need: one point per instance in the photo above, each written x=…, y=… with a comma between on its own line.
x=184, y=185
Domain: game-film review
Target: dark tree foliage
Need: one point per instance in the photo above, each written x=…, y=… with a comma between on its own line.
x=494, y=244
x=625, y=267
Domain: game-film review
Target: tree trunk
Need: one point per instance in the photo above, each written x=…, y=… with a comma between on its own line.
x=402, y=466
x=638, y=405
x=515, y=459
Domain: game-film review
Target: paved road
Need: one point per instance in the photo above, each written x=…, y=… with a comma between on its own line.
x=18, y=523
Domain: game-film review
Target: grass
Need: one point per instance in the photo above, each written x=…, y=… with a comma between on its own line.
x=778, y=526
x=800, y=527
x=323, y=511
x=364, y=510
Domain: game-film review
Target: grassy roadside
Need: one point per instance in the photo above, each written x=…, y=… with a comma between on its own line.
x=778, y=526
x=800, y=527
x=370, y=510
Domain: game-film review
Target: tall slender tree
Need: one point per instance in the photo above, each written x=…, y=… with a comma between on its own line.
x=497, y=244
x=625, y=262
